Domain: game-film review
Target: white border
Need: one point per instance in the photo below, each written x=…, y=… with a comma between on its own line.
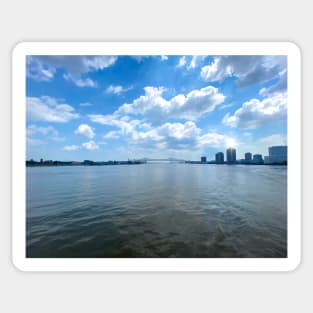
x=156, y=48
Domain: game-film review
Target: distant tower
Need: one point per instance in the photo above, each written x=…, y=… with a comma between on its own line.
x=248, y=157
x=257, y=159
x=219, y=158
x=231, y=155
x=203, y=159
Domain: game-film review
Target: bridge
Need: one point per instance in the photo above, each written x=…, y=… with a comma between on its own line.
x=168, y=160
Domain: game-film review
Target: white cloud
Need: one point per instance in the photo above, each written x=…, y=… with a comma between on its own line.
x=141, y=58
x=157, y=109
x=117, y=89
x=279, y=87
x=85, y=104
x=248, y=70
x=191, y=62
x=71, y=148
x=90, y=145
x=85, y=130
x=195, y=61
x=112, y=120
x=75, y=65
x=81, y=82
x=216, y=140
x=182, y=61
x=227, y=105
x=43, y=68
x=99, y=62
x=112, y=134
x=174, y=136
x=214, y=72
x=49, y=132
x=255, y=113
x=49, y=109
x=39, y=71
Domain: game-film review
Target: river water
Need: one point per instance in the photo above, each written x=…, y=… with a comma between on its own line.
x=157, y=210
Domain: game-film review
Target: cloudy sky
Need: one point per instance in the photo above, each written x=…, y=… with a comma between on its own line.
x=126, y=107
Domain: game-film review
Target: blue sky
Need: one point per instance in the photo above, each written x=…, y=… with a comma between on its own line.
x=128, y=107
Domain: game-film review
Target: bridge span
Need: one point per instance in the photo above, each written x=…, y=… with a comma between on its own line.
x=168, y=160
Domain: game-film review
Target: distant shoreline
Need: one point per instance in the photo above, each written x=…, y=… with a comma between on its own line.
x=108, y=163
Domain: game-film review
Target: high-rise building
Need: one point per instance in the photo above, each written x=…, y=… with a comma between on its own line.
x=266, y=159
x=203, y=159
x=248, y=157
x=219, y=158
x=231, y=155
x=278, y=154
x=257, y=158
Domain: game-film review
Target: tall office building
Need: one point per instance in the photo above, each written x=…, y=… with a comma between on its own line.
x=257, y=158
x=278, y=154
x=203, y=159
x=231, y=155
x=248, y=157
x=219, y=158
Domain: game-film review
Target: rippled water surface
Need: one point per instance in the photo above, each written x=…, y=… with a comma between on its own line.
x=157, y=210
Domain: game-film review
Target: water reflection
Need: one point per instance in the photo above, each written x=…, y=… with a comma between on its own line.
x=157, y=210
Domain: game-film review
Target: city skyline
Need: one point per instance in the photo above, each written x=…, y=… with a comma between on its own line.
x=113, y=107
x=276, y=155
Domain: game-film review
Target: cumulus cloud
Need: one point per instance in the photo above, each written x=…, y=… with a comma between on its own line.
x=81, y=82
x=190, y=62
x=255, y=112
x=175, y=136
x=117, y=89
x=155, y=107
x=75, y=65
x=279, y=87
x=44, y=68
x=49, y=109
x=71, y=148
x=152, y=130
x=248, y=69
x=123, y=123
x=100, y=62
x=85, y=130
x=90, y=145
x=39, y=71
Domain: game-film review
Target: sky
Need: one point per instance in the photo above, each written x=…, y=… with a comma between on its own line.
x=130, y=107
